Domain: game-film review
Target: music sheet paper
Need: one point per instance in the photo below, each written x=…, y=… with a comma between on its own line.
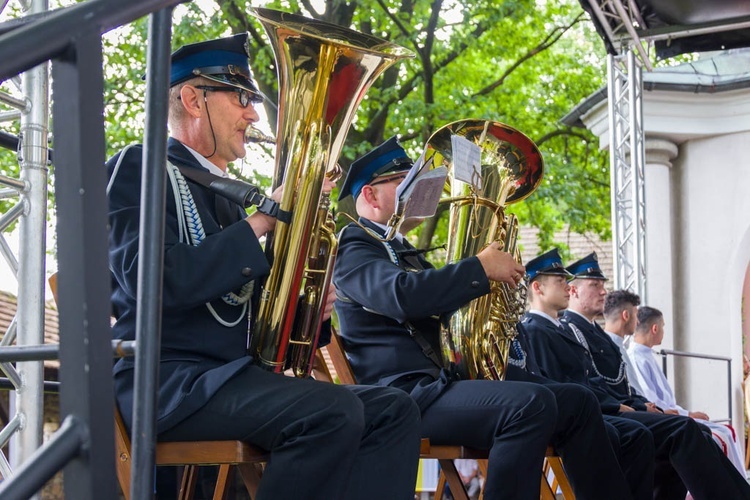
x=419, y=193
x=467, y=161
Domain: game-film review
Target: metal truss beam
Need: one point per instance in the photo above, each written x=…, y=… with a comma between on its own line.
x=627, y=169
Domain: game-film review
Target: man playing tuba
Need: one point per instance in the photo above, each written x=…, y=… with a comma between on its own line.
x=326, y=441
x=390, y=305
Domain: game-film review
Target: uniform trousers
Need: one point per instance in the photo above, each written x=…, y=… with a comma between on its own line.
x=592, y=450
x=635, y=453
x=326, y=441
x=697, y=461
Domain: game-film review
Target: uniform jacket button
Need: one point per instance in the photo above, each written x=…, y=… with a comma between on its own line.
x=475, y=284
x=246, y=271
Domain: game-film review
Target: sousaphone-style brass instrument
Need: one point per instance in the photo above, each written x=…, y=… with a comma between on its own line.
x=479, y=335
x=324, y=71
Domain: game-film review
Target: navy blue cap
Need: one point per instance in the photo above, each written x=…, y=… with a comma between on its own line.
x=587, y=268
x=387, y=158
x=548, y=263
x=223, y=60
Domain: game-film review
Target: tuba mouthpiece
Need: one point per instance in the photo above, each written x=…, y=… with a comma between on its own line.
x=255, y=136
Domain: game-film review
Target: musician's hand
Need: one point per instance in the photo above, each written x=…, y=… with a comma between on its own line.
x=500, y=266
x=671, y=412
x=328, y=185
x=624, y=408
x=262, y=223
x=330, y=299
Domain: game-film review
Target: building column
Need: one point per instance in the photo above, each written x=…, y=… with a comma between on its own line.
x=659, y=280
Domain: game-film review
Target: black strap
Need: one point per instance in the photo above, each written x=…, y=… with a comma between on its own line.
x=427, y=349
x=242, y=193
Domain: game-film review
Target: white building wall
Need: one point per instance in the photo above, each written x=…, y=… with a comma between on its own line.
x=711, y=187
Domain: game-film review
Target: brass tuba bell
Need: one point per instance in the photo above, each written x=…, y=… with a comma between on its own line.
x=324, y=71
x=478, y=336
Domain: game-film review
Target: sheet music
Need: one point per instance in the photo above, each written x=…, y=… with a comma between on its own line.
x=413, y=172
x=467, y=161
x=422, y=197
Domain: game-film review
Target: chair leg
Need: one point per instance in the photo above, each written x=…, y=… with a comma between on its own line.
x=251, y=477
x=546, y=492
x=482, y=464
x=562, y=479
x=226, y=472
x=458, y=490
x=440, y=488
x=187, y=485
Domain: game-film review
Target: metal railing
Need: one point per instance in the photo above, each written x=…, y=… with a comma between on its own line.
x=83, y=444
x=669, y=352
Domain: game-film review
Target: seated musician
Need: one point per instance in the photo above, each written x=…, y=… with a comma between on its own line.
x=390, y=302
x=326, y=441
x=686, y=459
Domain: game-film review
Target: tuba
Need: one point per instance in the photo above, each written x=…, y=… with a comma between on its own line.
x=324, y=71
x=478, y=336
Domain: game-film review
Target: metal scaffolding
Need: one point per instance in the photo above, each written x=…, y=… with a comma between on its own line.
x=627, y=172
x=30, y=190
x=83, y=445
x=619, y=20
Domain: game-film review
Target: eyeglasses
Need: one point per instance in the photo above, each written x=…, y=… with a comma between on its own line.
x=390, y=179
x=245, y=97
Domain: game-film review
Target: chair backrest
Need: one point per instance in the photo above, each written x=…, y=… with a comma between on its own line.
x=338, y=358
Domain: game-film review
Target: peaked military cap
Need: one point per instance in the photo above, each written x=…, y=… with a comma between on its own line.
x=587, y=268
x=223, y=60
x=548, y=263
x=388, y=158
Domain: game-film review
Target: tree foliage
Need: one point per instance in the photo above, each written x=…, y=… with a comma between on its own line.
x=525, y=63
x=520, y=62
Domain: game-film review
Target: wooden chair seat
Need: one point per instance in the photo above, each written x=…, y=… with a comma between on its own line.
x=228, y=455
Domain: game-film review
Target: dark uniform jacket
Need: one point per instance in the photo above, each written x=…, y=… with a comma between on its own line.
x=607, y=358
x=198, y=354
x=394, y=285
x=563, y=359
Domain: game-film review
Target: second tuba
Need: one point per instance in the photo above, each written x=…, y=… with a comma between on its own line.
x=478, y=336
x=324, y=71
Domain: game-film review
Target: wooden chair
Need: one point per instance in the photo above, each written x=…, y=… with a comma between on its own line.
x=445, y=455
x=192, y=454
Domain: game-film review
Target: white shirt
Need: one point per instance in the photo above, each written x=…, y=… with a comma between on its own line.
x=629, y=368
x=205, y=163
x=652, y=379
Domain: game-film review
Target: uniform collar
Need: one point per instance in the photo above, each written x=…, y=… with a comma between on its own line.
x=581, y=315
x=383, y=229
x=554, y=321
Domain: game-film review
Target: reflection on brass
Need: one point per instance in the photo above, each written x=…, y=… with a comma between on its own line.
x=478, y=336
x=324, y=71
